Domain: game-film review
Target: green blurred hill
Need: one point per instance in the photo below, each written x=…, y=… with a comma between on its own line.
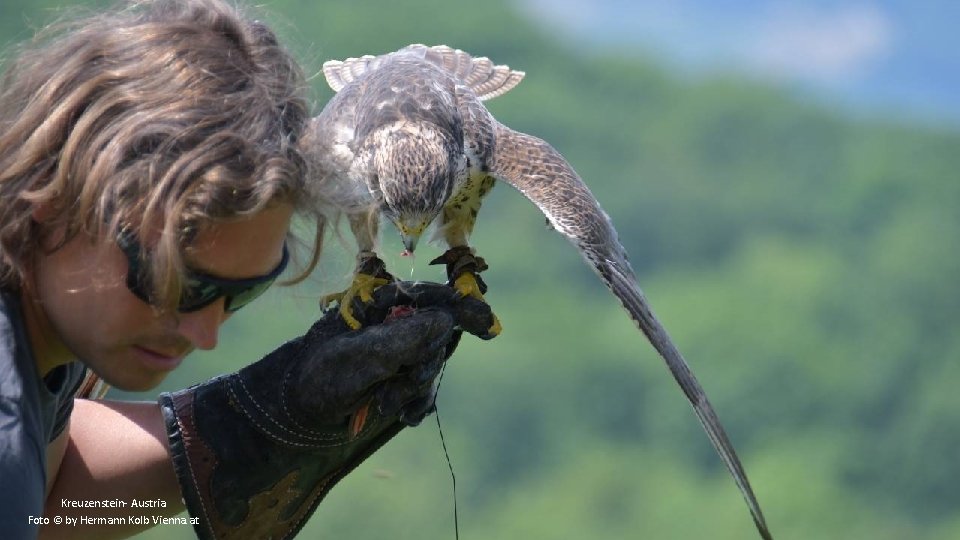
x=801, y=258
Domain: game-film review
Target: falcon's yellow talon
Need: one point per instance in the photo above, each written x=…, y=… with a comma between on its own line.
x=366, y=285
x=362, y=286
x=495, y=328
x=347, y=316
x=466, y=285
x=328, y=299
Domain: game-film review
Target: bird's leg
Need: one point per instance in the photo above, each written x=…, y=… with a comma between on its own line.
x=463, y=271
x=371, y=273
x=463, y=274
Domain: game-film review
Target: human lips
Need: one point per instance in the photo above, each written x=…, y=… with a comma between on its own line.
x=158, y=359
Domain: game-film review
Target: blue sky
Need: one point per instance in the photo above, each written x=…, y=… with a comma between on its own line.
x=892, y=57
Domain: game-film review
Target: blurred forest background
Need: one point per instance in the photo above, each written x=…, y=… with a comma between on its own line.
x=798, y=250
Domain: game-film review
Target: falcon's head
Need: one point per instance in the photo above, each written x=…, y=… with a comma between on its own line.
x=416, y=167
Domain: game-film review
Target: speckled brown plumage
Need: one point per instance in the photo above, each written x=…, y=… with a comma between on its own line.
x=408, y=135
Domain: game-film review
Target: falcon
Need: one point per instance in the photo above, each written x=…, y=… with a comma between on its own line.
x=406, y=136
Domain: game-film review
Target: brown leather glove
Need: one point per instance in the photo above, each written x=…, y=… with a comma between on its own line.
x=257, y=450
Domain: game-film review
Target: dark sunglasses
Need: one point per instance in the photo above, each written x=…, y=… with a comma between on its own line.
x=199, y=290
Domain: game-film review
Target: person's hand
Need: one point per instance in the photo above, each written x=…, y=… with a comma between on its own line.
x=285, y=429
x=409, y=331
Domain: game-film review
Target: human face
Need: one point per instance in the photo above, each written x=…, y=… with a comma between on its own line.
x=78, y=306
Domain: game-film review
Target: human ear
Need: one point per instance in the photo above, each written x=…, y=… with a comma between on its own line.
x=42, y=212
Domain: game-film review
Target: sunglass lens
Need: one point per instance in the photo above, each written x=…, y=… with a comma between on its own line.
x=197, y=295
x=241, y=298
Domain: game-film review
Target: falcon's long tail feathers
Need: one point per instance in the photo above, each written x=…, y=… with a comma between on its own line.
x=341, y=73
x=477, y=72
x=542, y=174
x=624, y=286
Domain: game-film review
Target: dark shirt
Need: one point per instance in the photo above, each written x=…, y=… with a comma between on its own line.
x=33, y=412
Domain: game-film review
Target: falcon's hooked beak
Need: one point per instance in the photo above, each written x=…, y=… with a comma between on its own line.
x=409, y=242
x=410, y=235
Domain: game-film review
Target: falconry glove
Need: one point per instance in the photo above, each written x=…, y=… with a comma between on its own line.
x=256, y=451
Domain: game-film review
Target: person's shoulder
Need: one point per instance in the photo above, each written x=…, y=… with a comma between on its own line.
x=14, y=351
x=8, y=334
x=8, y=308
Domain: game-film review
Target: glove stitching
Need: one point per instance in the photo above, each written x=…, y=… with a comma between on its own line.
x=331, y=441
x=269, y=432
x=283, y=405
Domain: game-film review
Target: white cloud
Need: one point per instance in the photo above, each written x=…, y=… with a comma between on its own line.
x=827, y=45
x=836, y=42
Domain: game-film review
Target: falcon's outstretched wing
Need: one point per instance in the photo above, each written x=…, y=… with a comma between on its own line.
x=536, y=169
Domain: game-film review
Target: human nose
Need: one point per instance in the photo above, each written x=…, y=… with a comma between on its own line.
x=202, y=327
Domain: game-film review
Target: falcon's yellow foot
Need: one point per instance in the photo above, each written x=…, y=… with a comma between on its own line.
x=463, y=272
x=466, y=284
x=362, y=287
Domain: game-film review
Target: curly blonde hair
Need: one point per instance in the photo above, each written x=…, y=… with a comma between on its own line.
x=169, y=114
